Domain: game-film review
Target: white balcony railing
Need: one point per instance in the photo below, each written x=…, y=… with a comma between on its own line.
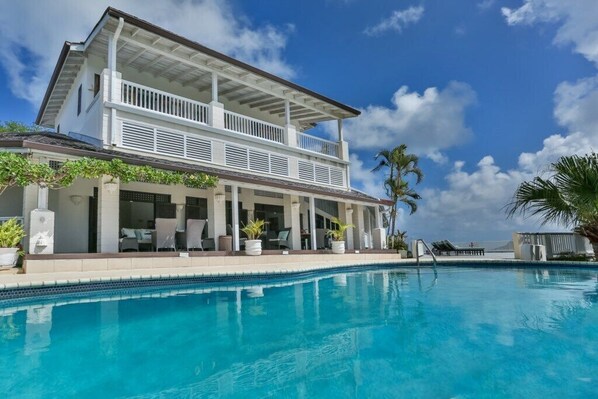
x=316, y=144
x=147, y=98
x=162, y=102
x=253, y=127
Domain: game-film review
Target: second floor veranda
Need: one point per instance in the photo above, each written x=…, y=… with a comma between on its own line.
x=155, y=70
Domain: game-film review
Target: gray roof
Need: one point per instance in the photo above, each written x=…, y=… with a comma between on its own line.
x=62, y=144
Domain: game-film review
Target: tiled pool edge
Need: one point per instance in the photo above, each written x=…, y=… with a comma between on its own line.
x=30, y=289
x=44, y=288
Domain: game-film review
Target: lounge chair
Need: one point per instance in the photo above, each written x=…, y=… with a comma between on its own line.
x=193, y=234
x=283, y=239
x=165, y=235
x=463, y=250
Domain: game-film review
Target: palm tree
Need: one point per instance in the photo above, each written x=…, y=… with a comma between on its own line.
x=569, y=196
x=400, y=165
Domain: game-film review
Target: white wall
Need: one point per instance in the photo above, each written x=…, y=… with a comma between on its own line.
x=71, y=229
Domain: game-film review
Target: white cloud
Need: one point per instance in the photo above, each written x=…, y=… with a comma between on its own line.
x=486, y=4
x=428, y=123
x=578, y=19
x=471, y=207
x=398, y=20
x=362, y=177
x=31, y=35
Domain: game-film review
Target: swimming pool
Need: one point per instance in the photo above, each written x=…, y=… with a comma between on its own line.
x=385, y=332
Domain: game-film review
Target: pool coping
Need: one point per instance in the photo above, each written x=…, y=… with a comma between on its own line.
x=48, y=284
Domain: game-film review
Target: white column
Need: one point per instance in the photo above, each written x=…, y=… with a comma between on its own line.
x=214, y=87
x=216, y=213
x=378, y=216
x=41, y=225
x=216, y=108
x=345, y=213
x=291, y=219
x=287, y=112
x=42, y=197
x=235, y=216
x=368, y=226
x=312, y=221
x=290, y=130
x=108, y=214
x=340, y=130
x=29, y=204
x=112, y=49
x=359, y=227
x=248, y=201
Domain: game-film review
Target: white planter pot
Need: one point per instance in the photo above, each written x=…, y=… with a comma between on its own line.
x=8, y=257
x=253, y=247
x=338, y=247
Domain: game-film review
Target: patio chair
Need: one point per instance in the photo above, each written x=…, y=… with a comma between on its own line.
x=283, y=239
x=164, y=237
x=194, y=232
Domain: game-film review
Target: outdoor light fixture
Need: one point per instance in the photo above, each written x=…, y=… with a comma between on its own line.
x=350, y=211
x=220, y=198
x=76, y=199
x=295, y=205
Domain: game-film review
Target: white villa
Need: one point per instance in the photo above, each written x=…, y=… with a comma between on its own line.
x=137, y=92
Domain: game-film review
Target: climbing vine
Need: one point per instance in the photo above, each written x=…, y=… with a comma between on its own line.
x=19, y=170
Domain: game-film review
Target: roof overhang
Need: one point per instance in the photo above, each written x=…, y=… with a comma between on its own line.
x=145, y=47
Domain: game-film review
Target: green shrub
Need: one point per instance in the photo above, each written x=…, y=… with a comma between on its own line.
x=253, y=229
x=11, y=233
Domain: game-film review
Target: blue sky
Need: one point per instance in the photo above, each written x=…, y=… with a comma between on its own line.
x=486, y=92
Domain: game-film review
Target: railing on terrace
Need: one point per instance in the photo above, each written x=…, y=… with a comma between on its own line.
x=316, y=144
x=253, y=127
x=151, y=99
x=556, y=243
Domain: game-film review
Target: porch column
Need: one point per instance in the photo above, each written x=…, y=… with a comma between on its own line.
x=248, y=201
x=379, y=235
x=29, y=204
x=291, y=219
x=359, y=227
x=290, y=130
x=108, y=214
x=235, y=215
x=216, y=108
x=368, y=226
x=216, y=213
x=343, y=146
x=41, y=225
x=114, y=81
x=345, y=213
x=312, y=222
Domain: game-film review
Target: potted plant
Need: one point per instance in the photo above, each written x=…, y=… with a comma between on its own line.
x=11, y=234
x=338, y=235
x=253, y=229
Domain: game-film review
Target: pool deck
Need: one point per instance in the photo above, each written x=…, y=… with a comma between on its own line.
x=162, y=267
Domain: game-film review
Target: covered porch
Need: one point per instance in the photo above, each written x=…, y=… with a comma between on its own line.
x=104, y=216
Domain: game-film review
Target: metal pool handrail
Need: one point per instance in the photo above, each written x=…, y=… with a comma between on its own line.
x=416, y=251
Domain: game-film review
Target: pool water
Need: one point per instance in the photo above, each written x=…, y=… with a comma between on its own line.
x=382, y=333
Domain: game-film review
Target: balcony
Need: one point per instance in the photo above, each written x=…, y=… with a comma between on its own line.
x=164, y=103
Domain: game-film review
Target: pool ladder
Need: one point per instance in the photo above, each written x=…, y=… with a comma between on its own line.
x=416, y=251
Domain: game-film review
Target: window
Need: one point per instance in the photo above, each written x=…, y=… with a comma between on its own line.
x=96, y=84
x=79, y=94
